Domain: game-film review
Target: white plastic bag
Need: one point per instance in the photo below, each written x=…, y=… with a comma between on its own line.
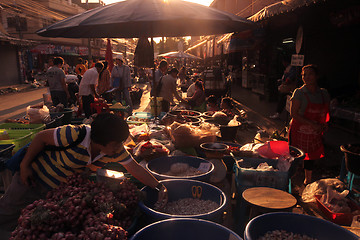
x=38, y=113
x=320, y=187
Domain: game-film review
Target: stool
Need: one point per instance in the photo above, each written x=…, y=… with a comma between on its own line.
x=268, y=200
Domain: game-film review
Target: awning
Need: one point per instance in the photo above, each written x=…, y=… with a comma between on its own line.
x=225, y=37
x=197, y=45
x=281, y=7
x=16, y=41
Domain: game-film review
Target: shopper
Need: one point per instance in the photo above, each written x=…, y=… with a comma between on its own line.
x=309, y=109
x=168, y=89
x=120, y=79
x=287, y=86
x=87, y=88
x=57, y=85
x=159, y=73
x=42, y=170
x=104, y=79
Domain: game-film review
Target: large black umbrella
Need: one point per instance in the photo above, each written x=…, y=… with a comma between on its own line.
x=147, y=18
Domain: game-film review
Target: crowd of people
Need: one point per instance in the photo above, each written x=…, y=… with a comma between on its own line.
x=94, y=80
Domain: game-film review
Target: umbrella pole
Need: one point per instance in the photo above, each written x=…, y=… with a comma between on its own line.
x=153, y=85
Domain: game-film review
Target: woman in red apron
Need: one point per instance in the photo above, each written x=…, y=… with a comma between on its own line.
x=309, y=110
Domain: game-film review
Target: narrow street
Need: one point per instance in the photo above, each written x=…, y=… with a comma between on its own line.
x=14, y=105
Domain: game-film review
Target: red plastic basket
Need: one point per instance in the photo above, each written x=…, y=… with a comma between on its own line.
x=338, y=218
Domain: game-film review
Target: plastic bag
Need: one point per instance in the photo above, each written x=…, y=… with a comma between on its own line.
x=38, y=113
x=151, y=149
x=320, y=188
x=140, y=133
x=187, y=135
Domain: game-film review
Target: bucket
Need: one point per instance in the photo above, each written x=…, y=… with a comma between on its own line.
x=352, y=157
x=160, y=166
x=180, y=189
x=228, y=133
x=296, y=223
x=189, y=229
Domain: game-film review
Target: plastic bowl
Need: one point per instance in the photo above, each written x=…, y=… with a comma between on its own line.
x=179, y=189
x=214, y=146
x=159, y=166
x=296, y=223
x=189, y=229
x=352, y=157
x=185, y=113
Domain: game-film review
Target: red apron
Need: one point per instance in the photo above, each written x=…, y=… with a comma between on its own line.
x=303, y=136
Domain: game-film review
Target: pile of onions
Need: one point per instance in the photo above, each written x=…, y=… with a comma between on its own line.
x=80, y=209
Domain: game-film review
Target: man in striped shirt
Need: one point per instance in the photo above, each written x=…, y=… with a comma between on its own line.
x=42, y=170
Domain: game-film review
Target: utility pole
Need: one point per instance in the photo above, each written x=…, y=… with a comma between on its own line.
x=89, y=39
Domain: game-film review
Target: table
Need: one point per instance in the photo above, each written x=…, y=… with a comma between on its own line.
x=268, y=199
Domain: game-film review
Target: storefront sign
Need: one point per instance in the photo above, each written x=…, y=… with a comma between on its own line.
x=297, y=60
x=83, y=51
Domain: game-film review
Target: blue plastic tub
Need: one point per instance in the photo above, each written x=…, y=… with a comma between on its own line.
x=189, y=229
x=179, y=189
x=159, y=166
x=296, y=223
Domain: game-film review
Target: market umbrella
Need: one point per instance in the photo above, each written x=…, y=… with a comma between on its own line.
x=179, y=54
x=147, y=18
x=109, y=55
x=144, y=55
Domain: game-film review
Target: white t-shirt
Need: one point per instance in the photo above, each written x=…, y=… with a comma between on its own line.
x=90, y=78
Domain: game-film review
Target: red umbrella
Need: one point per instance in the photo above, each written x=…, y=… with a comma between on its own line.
x=109, y=55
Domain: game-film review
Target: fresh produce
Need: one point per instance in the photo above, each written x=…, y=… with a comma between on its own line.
x=80, y=209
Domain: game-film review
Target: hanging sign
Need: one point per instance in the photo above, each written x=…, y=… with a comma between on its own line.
x=297, y=60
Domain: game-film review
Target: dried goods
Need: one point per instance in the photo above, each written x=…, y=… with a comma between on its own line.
x=182, y=169
x=284, y=235
x=189, y=206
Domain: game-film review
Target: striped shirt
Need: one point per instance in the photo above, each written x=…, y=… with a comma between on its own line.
x=53, y=167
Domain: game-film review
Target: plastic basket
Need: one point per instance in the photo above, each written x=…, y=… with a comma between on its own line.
x=17, y=137
x=338, y=218
x=6, y=150
x=314, y=227
x=245, y=177
x=35, y=128
x=189, y=229
x=56, y=122
x=181, y=189
x=67, y=115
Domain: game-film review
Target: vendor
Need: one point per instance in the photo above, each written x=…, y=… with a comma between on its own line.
x=197, y=101
x=212, y=104
x=42, y=170
x=227, y=107
x=309, y=109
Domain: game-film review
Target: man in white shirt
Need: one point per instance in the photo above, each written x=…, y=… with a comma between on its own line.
x=120, y=79
x=168, y=89
x=87, y=88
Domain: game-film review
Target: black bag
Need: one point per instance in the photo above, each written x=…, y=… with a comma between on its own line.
x=13, y=163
